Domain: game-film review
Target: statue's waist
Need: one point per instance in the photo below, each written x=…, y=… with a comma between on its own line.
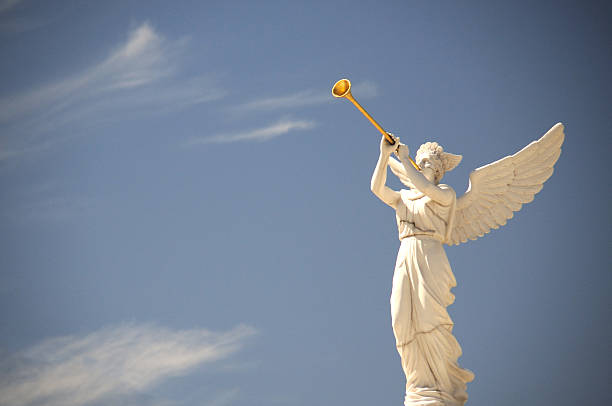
x=423, y=236
x=410, y=230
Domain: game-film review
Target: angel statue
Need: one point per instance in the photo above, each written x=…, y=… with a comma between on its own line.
x=429, y=215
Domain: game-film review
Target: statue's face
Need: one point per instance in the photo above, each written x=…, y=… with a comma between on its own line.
x=431, y=167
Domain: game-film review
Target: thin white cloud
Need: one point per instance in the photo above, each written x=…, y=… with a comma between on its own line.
x=110, y=363
x=141, y=76
x=278, y=129
x=303, y=98
x=139, y=61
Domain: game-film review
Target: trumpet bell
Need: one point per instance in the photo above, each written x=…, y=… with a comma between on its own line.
x=341, y=88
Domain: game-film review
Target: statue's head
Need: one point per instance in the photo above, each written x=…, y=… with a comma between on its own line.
x=434, y=162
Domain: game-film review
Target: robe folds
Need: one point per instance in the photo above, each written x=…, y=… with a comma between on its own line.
x=421, y=291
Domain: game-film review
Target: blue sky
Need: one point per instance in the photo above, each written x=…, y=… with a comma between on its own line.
x=186, y=216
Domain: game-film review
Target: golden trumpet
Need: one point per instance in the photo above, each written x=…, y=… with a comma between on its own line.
x=342, y=88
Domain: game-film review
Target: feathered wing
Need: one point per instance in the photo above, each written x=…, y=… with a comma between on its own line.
x=499, y=189
x=398, y=170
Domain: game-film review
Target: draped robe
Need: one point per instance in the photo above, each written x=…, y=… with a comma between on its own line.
x=422, y=283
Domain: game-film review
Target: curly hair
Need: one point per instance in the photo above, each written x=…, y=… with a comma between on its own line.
x=446, y=161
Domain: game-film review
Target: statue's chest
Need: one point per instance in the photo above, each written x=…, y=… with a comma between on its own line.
x=413, y=203
x=416, y=207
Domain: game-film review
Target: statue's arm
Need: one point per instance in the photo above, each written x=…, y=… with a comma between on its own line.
x=379, y=177
x=443, y=196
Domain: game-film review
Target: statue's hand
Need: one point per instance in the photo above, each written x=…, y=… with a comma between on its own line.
x=386, y=148
x=403, y=152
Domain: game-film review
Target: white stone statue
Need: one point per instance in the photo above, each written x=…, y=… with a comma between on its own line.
x=428, y=215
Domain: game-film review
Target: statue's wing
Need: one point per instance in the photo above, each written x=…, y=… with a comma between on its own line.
x=499, y=189
x=398, y=169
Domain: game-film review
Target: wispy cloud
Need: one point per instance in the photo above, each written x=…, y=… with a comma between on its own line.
x=282, y=127
x=141, y=76
x=110, y=363
x=302, y=98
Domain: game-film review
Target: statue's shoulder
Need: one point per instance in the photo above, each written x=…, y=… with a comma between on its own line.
x=444, y=186
x=410, y=195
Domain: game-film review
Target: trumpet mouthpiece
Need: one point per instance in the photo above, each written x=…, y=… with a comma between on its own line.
x=341, y=88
